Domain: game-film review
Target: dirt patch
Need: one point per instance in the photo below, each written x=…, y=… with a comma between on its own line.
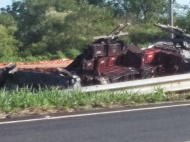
x=49, y=66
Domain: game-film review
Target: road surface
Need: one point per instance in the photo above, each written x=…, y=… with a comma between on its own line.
x=160, y=124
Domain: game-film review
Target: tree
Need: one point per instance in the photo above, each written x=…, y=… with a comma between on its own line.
x=50, y=26
x=7, y=19
x=30, y=13
x=89, y=21
x=183, y=21
x=94, y=2
x=70, y=31
x=8, y=44
x=140, y=10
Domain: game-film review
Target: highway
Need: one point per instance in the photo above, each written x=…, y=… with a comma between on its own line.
x=152, y=124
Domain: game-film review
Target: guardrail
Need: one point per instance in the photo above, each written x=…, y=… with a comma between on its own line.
x=168, y=84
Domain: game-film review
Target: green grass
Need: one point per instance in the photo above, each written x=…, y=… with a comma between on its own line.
x=53, y=98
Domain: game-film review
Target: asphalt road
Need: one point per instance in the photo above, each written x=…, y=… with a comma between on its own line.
x=157, y=125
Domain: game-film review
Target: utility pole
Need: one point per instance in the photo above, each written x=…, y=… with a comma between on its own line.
x=170, y=21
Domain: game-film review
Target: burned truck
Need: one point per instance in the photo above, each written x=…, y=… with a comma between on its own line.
x=105, y=60
x=169, y=56
x=109, y=60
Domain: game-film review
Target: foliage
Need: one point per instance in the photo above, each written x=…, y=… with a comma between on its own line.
x=183, y=21
x=8, y=44
x=42, y=29
x=140, y=10
x=7, y=20
x=141, y=34
x=89, y=21
x=24, y=98
x=45, y=27
x=95, y=2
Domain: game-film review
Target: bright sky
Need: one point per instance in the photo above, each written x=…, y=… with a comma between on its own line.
x=4, y=3
x=183, y=1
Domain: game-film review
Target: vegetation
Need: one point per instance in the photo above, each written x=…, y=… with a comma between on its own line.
x=48, y=29
x=54, y=99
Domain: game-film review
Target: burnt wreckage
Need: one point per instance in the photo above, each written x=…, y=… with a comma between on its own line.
x=108, y=60
x=12, y=77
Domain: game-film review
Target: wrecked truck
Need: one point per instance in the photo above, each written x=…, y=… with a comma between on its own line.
x=109, y=60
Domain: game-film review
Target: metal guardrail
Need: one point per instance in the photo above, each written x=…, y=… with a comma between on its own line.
x=168, y=84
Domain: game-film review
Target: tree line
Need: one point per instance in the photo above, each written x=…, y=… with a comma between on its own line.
x=48, y=29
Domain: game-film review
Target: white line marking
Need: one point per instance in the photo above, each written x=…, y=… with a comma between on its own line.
x=92, y=114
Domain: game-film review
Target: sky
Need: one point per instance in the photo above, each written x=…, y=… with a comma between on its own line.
x=4, y=3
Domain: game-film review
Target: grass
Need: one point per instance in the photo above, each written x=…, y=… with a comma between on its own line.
x=54, y=99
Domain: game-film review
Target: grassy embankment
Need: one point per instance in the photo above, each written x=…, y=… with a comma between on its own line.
x=23, y=101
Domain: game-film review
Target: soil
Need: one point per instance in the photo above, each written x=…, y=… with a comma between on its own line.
x=48, y=66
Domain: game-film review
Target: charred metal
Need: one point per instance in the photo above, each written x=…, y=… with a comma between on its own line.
x=109, y=59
